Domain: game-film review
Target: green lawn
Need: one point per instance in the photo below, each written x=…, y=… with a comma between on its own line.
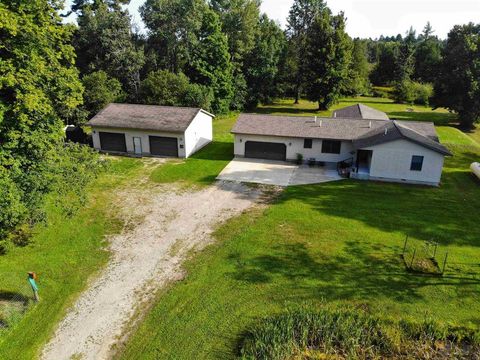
x=394, y=111
x=64, y=253
x=204, y=166
x=336, y=243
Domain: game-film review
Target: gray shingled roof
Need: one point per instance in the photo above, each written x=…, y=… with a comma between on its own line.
x=360, y=111
x=145, y=117
x=363, y=133
x=393, y=130
x=303, y=127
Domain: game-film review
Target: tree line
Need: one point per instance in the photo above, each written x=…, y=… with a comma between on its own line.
x=221, y=55
x=226, y=55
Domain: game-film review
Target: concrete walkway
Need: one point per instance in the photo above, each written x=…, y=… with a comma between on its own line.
x=276, y=173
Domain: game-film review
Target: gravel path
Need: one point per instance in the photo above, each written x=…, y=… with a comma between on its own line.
x=161, y=226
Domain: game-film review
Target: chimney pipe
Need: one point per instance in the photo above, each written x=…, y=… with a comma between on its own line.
x=386, y=131
x=370, y=124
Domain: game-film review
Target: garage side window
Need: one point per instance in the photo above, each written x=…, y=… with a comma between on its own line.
x=307, y=143
x=417, y=163
x=331, y=147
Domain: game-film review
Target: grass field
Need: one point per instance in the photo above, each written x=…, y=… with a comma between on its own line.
x=64, y=253
x=394, y=111
x=336, y=243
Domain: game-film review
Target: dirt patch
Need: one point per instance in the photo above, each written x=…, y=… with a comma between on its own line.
x=162, y=224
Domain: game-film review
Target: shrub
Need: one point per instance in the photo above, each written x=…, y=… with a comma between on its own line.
x=413, y=92
x=62, y=176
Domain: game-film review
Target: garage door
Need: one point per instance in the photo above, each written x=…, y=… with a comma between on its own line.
x=113, y=142
x=163, y=146
x=265, y=150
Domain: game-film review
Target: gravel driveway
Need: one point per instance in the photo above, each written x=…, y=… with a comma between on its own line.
x=161, y=225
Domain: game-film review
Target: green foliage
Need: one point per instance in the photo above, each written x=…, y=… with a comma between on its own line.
x=457, y=86
x=405, y=60
x=327, y=57
x=428, y=56
x=385, y=66
x=166, y=88
x=301, y=17
x=173, y=31
x=262, y=64
x=104, y=41
x=411, y=92
x=100, y=90
x=352, y=334
x=210, y=65
x=357, y=82
x=13, y=209
x=240, y=23
x=39, y=86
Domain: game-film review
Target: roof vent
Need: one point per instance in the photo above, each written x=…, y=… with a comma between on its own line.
x=386, y=131
x=335, y=114
x=370, y=124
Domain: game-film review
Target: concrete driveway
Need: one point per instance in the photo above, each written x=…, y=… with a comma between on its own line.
x=276, y=173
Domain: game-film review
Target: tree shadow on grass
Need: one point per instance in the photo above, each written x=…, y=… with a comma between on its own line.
x=358, y=273
x=440, y=119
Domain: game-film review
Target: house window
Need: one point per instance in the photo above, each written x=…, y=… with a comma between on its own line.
x=331, y=147
x=417, y=163
x=307, y=143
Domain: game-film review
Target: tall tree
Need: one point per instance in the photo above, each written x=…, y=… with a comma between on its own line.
x=358, y=82
x=104, y=42
x=428, y=56
x=301, y=17
x=328, y=56
x=405, y=62
x=240, y=22
x=458, y=82
x=39, y=85
x=262, y=64
x=172, y=26
x=210, y=65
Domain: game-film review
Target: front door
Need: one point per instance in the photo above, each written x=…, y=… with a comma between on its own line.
x=137, y=146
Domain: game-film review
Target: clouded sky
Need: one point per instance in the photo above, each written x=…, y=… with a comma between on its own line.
x=372, y=18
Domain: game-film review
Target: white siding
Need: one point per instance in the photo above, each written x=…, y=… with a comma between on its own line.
x=391, y=162
x=295, y=146
x=130, y=134
x=199, y=133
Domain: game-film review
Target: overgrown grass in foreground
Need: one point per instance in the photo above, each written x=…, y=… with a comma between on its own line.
x=337, y=244
x=317, y=334
x=64, y=252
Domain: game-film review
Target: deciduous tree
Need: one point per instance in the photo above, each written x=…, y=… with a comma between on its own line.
x=327, y=59
x=458, y=81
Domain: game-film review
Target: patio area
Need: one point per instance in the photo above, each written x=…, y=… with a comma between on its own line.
x=277, y=172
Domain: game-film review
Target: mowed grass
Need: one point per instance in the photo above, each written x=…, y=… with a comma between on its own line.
x=337, y=243
x=203, y=167
x=64, y=253
x=394, y=111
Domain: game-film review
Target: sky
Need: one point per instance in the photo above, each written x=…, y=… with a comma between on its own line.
x=372, y=18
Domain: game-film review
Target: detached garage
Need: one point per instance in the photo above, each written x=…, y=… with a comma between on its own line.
x=148, y=130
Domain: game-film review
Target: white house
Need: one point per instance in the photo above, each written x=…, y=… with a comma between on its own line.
x=377, y=149
x=148, y=130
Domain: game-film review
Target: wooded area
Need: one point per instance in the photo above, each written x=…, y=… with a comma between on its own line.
x=220, y=55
